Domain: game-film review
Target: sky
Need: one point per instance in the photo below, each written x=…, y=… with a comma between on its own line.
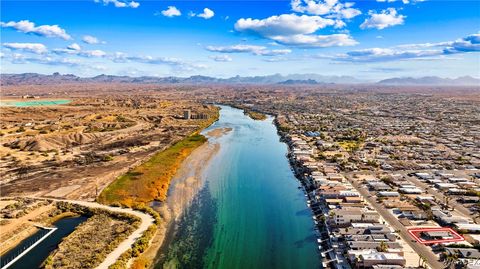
x=367, y=39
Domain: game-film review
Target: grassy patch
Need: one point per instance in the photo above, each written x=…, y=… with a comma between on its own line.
x=150, y=180
x=350, y=146
x=256, y=115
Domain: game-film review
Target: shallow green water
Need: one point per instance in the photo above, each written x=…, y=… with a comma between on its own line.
x=35, y=103
x=250, y=213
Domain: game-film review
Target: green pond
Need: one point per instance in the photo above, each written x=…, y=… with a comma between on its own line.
x=34, y=103
x=250, y=212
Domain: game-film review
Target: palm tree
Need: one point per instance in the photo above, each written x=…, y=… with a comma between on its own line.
x=450, y=260
x=383, y=247
x=421, y=261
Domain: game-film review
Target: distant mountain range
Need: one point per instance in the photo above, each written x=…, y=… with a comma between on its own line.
x=466, y=80
x=294, y=79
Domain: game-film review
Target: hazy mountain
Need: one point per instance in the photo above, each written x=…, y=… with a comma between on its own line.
x=432, y=80
x=298, y=82
x=293, y=79
x=56, y=78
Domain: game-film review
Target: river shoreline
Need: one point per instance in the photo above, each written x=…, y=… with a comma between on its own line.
x=184, y=186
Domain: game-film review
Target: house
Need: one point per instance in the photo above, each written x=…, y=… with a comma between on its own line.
x=468, y=227
x=423, y=176
x=465, y=253
x=436, y=235
x=347, y=215
x=449, y=219
x=445, y=186
x=469, y=199
x=410, y=190
x=456, y=191
x=388, y=194
x=370, y=260
x=374, y=257
x=359, y=245
x=378, y=186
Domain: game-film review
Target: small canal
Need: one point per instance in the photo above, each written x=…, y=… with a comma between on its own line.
x=35, y=257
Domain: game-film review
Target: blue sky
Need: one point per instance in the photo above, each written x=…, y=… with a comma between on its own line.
x=371, y=39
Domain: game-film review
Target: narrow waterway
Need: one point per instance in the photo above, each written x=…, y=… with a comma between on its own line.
x=250, y=212
x=35, y=257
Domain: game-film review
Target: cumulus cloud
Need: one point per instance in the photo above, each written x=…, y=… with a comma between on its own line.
x=119, y=3
x=253, y=49
x=29, y=27
x=207, y=14
x=330, y=8
x=467, y=44
x=171, y=12
x=74, y=46
x=283, y=25
x=37, y=48
x=91, y=40
x=386, y=18
x=295, y=30
x=221, y=58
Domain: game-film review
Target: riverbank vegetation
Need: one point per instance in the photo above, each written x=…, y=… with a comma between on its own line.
x=138, y=248
x=255, y=115
x=92, y=240
x=150, y=180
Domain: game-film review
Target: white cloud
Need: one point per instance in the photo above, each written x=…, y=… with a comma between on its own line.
x=75, y=49
x=241, y=48
x=282, y=25
x=134, y=4
x=388, y=54
x=37, y=48
x=177, y=64
x=119, y=4
x=74, y=46
x=235, y=48
x=28, y=27
x=92, y=53
x=171, y=11
x=403, y=1
x=221, y=58
x=274, y=52
x=92, y=40
x=388, y=17
x=467, y=44
x=318, y=41
x=295, y=30
x=207, y=14
x=330, y=8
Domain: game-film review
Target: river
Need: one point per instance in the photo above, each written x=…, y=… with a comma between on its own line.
x=250, y=212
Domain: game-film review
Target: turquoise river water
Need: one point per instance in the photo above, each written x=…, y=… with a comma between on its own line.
x=250, y=212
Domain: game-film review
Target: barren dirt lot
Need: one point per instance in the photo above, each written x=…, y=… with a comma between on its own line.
x=75, y=150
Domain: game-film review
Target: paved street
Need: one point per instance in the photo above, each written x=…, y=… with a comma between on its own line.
x=422, y=250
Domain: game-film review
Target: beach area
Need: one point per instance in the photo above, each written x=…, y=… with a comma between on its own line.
x=183, y=187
